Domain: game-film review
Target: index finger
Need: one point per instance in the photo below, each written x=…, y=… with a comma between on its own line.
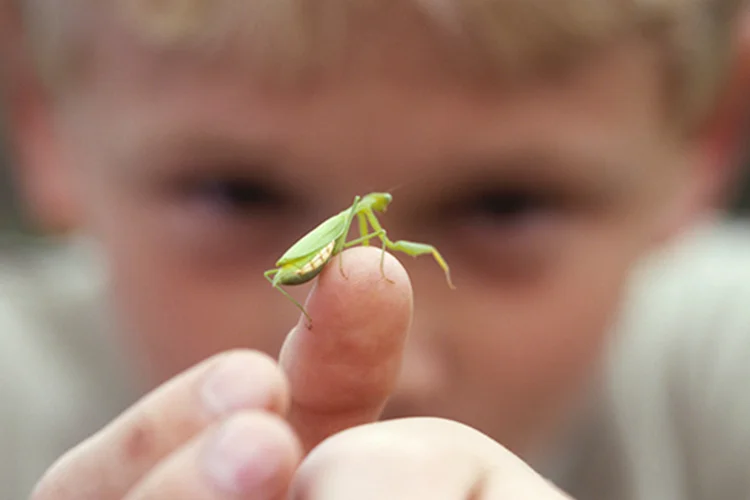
x=112, y=461
x=342, y=371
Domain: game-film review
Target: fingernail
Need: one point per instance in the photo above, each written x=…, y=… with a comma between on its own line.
x=238, y=461
x=231, y=385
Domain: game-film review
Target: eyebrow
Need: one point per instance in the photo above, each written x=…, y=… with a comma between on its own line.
x=176, y=160
x=538, y=167
x=173, y=150
x=573, y=170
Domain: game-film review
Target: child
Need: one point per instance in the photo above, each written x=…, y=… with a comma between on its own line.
x=543, y=147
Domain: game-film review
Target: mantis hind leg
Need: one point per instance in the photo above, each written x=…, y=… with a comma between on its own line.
x=408, y=247
x=416, y=249
x=278, y=287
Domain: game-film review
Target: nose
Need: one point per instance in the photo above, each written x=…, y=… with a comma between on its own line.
x=421, y=380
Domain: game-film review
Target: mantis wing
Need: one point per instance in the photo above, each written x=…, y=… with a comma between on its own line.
x=317, y=239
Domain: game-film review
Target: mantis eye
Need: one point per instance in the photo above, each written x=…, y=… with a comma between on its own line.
x=382, y=200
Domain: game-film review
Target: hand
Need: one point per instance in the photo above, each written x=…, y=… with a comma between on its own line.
x=237, y=425
x=417, y=458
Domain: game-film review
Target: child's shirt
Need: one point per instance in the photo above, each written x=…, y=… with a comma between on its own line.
x=670, y=418
x=62, y=372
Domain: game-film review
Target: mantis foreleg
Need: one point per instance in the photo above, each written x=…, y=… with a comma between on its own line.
x=363, y=228
x=347, y=225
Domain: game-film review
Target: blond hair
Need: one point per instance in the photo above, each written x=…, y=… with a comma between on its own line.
x=509, y=37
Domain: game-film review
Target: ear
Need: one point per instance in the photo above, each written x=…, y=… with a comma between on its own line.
x=724, y=136
x=38, y=159
x=716, y=155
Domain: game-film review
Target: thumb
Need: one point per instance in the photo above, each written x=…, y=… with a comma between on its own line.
x=343, y=369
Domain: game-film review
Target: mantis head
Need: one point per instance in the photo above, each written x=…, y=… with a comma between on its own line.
x=379, y=201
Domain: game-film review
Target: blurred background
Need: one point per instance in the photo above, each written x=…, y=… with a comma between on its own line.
x=10, y=215
x=11, y=218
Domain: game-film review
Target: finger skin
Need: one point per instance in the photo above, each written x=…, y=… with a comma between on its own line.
x=342, y=370
x=109, y=463
x=263, y=445
x=417, y=458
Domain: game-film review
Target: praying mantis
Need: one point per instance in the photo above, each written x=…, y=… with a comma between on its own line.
x=310, y=254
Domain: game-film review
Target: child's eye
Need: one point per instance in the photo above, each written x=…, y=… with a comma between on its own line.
x=505, y=208
x=508, y=205
x=233, y=196
x=222, y=215
x=509, y=233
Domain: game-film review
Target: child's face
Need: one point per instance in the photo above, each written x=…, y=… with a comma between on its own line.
x=540, y=197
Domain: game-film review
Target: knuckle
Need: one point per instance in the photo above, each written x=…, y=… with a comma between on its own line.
x=146, y=436
x=139, y=439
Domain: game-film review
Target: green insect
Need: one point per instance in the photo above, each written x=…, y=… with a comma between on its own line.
x=307, y=258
